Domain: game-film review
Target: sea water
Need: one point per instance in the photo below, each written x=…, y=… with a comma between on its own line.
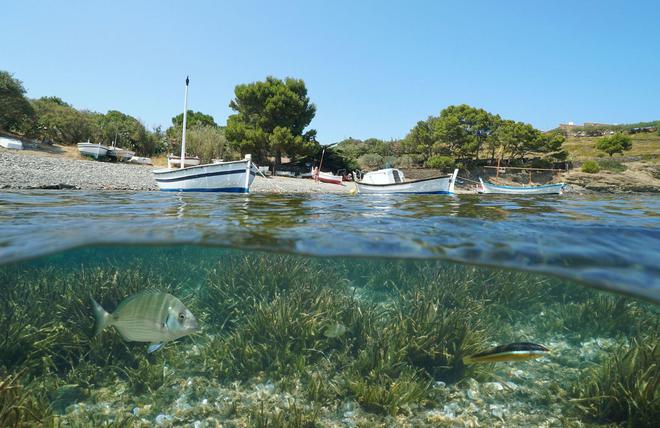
x=326, y=310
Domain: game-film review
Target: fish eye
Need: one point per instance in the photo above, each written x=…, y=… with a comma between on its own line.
x=182, y=316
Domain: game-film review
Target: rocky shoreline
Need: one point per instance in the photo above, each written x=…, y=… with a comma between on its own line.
x=40, y=171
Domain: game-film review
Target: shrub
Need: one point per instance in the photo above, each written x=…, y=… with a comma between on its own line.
x=370, y=161
x=440, y=162
x=404, y=161
x=591, y=167
x=611, y=165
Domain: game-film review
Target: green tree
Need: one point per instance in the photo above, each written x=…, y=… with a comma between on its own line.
x=464, y=130
x=194, y=118
x=16, y=112
x=270, y=118
x=421, y=138
x=617, y=143
x=125, y=130
x=517, y=139
x=551, y=146
x=59, y=122
x=440, y=162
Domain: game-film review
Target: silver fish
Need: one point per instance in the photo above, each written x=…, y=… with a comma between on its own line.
x=149, y=316
x=335, y=330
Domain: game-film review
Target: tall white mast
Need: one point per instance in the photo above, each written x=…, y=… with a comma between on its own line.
x=185, y=115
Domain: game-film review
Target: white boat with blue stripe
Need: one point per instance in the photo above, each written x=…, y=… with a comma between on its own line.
x=231, y=177
x=545, y=189
x=392, y=180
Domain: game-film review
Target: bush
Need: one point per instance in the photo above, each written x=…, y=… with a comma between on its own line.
x=440, y=162
x=611, y=165
x=591, y=167
x=404, y=161
x=370, y=161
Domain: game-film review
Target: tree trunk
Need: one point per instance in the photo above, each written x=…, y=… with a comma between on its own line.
x=277, y=161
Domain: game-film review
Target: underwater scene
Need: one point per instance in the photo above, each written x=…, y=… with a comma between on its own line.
x=322, y=311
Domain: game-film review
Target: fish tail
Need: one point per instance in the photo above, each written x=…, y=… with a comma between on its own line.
x=103, y=318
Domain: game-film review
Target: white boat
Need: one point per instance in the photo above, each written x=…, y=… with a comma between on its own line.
x=175, y=161
x=236, y=176
x=328, y=177
x=545, y=189
x=94, y=150
x=140, y=160
x=392, y=180
x=11, y=143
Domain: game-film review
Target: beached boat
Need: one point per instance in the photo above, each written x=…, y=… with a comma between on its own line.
x=328, y=177
x=392, y=180
x=235, y=177
x=11, y=143
x=175, y=161
x=94, y=150
x=545, y=189
x=140, y=160
x=120, y=154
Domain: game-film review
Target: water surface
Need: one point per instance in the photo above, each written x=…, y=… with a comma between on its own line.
x=604, y=241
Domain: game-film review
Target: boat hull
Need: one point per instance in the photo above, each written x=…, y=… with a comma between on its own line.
x=546, y=189
x=230, y=177
x=330, y=178
x=435, y=185
x=120, y=154
x=93, y=150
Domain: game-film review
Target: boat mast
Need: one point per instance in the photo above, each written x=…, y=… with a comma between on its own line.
x=185, y=115
x=320, y=164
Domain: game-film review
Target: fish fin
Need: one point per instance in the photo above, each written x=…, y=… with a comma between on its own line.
x=154, y=347
x=103, y=318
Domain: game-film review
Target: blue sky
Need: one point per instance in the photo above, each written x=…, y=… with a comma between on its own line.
x=373, y=68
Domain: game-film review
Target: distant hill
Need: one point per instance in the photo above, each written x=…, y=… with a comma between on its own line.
x=598, y=129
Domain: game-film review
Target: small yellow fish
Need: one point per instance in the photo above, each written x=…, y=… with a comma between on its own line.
x=512, y=352
x=148, y=316
x=335, y=330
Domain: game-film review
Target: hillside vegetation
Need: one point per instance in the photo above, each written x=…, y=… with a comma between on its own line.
x=644, y=146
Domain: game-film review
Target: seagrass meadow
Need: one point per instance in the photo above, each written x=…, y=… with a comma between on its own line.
x=269, y=352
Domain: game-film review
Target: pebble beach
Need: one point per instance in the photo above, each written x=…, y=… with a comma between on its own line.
x=35, y=170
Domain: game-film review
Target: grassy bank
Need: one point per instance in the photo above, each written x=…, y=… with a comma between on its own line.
x=646, y=146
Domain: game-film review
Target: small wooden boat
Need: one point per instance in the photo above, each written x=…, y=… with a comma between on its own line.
x=120, y=154
x=545, y=189
x=234, y=177
x=175, y=161
x=11, y=143
x=140, y=160
x=328, y=177
x=94, y=150
x=392, y=180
